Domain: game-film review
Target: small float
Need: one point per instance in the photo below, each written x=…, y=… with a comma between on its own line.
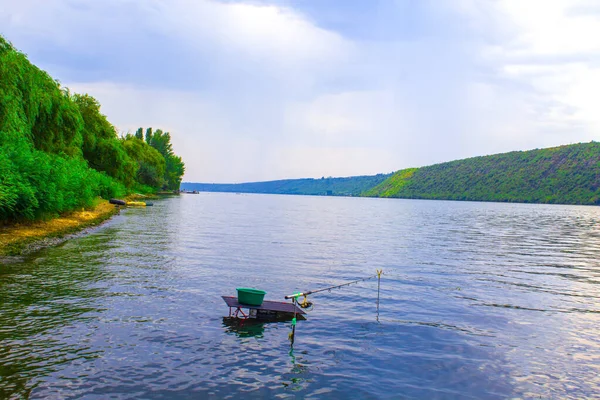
x=136, y=204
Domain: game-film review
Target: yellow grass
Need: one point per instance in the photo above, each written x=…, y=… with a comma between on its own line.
x=15, y=238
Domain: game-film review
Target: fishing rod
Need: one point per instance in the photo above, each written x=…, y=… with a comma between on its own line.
x=307, y=304
x=296, y=295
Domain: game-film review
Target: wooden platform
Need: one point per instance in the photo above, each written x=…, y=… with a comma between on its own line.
x=267, y=311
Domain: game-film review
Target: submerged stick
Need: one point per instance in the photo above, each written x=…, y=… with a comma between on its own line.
x=379, y=272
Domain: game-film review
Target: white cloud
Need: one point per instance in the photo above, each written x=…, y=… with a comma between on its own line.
x=551, y=53
x=253, y=60
x=255, y=92
x=346, y=117
x=329, y=161
x=216, y=148
x=260, y=32
x=550, y=27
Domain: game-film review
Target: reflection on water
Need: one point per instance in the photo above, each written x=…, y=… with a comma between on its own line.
x=42, y=303
x=244, y=327
x=478, y=300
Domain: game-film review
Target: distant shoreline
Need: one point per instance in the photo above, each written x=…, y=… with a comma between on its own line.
x=568, y=174
x=400, y=198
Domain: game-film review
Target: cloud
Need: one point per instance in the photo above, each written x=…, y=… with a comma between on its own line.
x=289, y=88
x=242, y=150
x=536, y=79
x=181, y=43
x=550, y=27
x=555, y=53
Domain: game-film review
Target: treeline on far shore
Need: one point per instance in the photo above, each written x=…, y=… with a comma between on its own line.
x=567, y=174
x=59, y=153
x=350, y=186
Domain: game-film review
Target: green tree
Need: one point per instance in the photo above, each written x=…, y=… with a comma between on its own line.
x=175, y=167
x=101, y=146
x=151, y=164
x=148, y=135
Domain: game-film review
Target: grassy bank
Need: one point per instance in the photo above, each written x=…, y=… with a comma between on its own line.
x=21, y=238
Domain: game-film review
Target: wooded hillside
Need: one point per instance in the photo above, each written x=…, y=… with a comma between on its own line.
x=566, y=174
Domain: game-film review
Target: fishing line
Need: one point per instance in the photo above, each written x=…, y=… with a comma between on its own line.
x=305, y=304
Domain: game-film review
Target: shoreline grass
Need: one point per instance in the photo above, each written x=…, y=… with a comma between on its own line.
x=23, y=238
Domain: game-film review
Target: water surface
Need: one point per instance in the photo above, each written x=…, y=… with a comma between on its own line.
x=478, y=300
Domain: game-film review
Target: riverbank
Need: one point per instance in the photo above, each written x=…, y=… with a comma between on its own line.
x=24, y=238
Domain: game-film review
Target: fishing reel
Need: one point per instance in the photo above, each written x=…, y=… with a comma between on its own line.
x=305, y=304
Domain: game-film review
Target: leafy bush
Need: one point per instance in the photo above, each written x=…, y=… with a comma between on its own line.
x=35, y=184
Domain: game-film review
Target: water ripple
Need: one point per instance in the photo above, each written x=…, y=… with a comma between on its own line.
x=478, y=300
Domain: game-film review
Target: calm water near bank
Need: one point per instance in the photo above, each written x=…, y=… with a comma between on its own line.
x=478, y=300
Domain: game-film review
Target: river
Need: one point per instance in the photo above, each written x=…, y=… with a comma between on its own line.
x=477, y=300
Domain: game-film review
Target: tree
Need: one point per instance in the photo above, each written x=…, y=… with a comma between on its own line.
x=139, y=134
x=175, y=168
x=101, y=146
x=151, y=164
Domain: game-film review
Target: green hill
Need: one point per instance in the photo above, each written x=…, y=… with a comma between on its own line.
x=351, y=186
x=566, y=174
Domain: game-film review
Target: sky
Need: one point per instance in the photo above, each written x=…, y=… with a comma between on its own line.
x=274, y=89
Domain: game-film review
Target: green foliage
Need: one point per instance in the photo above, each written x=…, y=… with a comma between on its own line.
x=34, y=106
x=140, y=188
x=58, y=152
x=151, y=164
x=35, y=184
x=391, y=185
x=175, y=167
x=565, y=174
x=148, y=135
x=101, y=146
x=351, y=186
x=174, y=172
